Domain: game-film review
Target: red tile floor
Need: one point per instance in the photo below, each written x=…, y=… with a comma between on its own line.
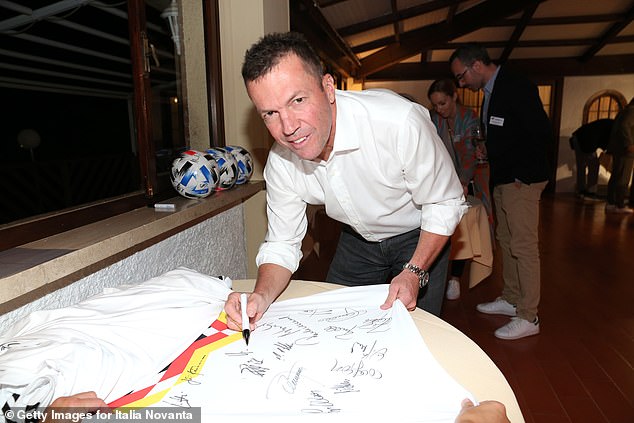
x=580, y=369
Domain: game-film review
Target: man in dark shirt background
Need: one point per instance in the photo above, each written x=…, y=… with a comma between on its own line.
x=585, y=141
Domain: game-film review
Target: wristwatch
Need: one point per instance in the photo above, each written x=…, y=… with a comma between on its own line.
x=423, y=275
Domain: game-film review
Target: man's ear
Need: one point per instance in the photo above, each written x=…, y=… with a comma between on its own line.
x=328, y=84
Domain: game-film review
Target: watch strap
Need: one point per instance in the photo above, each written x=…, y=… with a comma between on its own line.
x=423, y=275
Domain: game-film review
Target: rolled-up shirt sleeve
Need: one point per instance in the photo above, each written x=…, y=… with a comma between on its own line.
x=287, y=222
x=430, y=175
x=442, y=218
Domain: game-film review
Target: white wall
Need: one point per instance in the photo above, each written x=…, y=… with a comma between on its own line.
x=242, y=23
x=416, y=89
x=576, y=91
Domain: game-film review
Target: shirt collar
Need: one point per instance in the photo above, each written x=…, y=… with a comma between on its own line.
x=488, y=87
x=346, y=137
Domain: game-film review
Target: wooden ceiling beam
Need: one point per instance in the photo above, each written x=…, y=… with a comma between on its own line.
x=402, y=14
x=565, y=20
x=453, y=5
x=468, y=21
x=561, y=20
x=609, y=35
x=518, y=31
x=535, y=68
x=305, y=17
x=395, y=21
x=558, y=42
x=451, y=12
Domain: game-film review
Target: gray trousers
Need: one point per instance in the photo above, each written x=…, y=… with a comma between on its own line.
x=359, y=262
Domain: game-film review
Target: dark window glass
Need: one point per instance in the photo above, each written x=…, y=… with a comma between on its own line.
x=70, y=134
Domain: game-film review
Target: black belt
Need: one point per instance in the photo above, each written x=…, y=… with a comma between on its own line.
x=350, y=230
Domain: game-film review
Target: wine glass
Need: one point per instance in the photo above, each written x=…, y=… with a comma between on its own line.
x=479, y=144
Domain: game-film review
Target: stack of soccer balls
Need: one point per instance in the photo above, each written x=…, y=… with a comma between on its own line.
x=197, y=174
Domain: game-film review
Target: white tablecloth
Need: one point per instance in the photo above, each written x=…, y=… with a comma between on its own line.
x=472, y=240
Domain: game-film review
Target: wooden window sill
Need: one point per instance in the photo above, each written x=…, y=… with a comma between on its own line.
x=33, y=270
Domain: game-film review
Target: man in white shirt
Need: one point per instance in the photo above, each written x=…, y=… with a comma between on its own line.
x=372, y=158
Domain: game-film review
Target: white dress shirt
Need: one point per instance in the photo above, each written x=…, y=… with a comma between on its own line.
x=388, y=174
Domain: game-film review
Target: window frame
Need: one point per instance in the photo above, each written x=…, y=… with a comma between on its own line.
x=211, y=14
x=466, y=95
x=30, y=229
x=611, y=94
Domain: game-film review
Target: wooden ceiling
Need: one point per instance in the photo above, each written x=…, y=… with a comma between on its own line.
x=81, y=45
x=413, y=39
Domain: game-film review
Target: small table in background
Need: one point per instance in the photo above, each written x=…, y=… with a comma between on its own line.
x=472, y=241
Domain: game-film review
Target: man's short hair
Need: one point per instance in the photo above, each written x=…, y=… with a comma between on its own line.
x=264, y=55
x=470, y=53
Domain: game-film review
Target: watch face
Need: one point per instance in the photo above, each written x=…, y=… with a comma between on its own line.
x=424, y=280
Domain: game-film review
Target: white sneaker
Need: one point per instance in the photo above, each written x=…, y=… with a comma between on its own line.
x=518, y=328
x=453, y=289
x=499, y=306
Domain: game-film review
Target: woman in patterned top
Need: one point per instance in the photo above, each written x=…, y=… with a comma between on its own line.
x=458, y=127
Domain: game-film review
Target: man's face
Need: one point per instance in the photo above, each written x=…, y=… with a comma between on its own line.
x=467, y=76
x=297, y=108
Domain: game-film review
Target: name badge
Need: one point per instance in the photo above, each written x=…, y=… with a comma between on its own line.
x=497, y=121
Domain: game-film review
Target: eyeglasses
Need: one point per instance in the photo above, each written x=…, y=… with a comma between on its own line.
x=461, y=75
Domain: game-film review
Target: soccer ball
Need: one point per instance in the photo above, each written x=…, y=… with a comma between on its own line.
x=245, y=162
x=194, y=174
x=227, y=167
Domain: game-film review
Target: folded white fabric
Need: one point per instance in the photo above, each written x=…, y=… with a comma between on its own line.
x=109, y=343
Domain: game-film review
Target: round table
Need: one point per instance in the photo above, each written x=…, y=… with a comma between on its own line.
x=459, y=355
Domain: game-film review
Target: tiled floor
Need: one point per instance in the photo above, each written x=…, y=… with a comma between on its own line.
x=581, y=367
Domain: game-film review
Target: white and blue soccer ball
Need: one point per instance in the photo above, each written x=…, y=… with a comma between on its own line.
x=244, y=160
x=194, y=174
x=227, y=167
